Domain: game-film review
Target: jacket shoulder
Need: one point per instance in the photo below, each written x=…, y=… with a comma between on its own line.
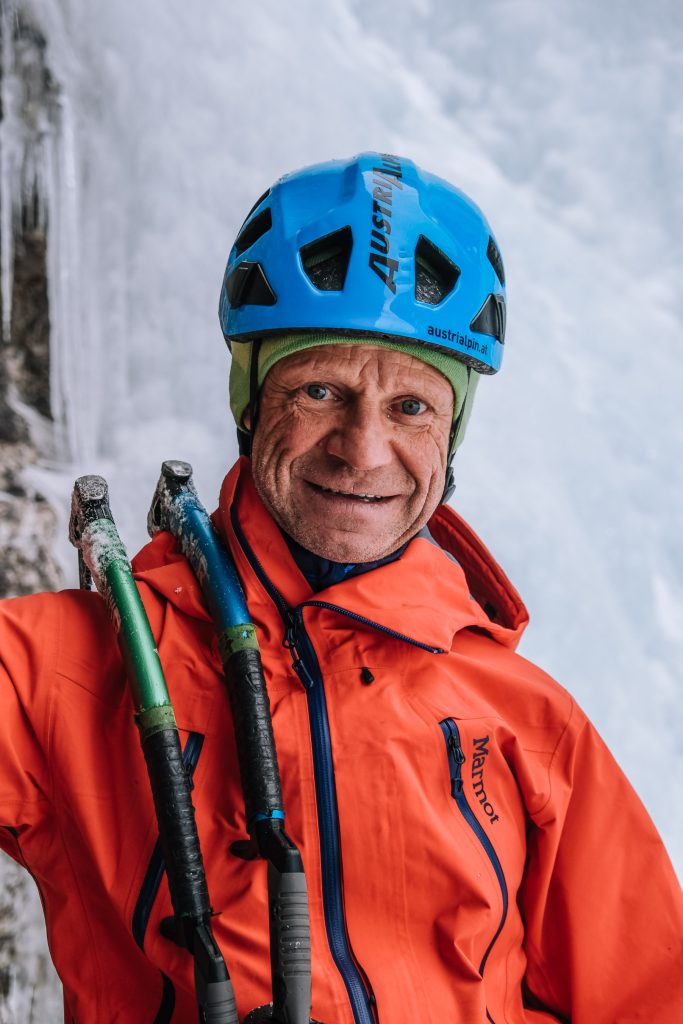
x=66, y=634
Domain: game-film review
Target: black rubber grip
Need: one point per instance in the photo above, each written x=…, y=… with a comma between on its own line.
x=259, y=770
x=177, y=826
x=219, y=1008
x=294, y=948
x=290, y=945
x=215, y=994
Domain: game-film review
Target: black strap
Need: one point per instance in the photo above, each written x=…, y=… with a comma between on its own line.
x=449, y=486
x=244, y=438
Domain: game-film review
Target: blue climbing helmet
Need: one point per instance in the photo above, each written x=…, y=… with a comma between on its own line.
x=372, y=245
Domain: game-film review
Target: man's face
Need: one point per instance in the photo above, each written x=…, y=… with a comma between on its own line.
x=350, y=449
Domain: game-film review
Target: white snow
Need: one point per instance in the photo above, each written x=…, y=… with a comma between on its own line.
x=564, y=121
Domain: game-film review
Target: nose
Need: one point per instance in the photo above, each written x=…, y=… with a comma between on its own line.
x=362, y=437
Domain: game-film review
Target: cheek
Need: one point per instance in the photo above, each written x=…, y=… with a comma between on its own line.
x=424, y=456
x=279, y=440
x=268, y=439
x=295, y=435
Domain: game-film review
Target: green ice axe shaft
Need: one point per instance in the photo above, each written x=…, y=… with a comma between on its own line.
x=102, y=558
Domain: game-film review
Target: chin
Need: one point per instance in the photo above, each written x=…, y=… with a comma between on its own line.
x=348, y=549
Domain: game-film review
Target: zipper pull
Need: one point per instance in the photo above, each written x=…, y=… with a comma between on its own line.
x=289, y=641
x=457, y=760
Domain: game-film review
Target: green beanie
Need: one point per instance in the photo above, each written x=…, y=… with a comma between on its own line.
x=275, y=348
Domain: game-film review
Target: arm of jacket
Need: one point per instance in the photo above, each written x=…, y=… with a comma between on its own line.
x=34, y=653
x=602, y=907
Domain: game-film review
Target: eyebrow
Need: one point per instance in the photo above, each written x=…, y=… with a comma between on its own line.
x=294, y=377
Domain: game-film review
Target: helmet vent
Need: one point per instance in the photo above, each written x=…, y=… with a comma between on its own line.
x=253, y=231
x=326, y=260
x=491, y=318
x=257, y=204
x=435, y=274
x=248, y=286
x=496, y=260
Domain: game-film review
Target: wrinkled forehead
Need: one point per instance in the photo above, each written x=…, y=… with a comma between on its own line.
x=360, y=364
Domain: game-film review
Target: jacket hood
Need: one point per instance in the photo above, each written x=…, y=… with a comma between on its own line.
x=442, y=583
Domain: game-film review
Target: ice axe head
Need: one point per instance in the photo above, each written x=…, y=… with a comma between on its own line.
x=176, y=478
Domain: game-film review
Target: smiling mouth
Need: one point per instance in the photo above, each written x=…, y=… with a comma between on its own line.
x=352, y=495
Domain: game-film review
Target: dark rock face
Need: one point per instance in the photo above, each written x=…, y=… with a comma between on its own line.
x=35, y=93
x=26, y=521
x=30, y=329
x=29, y=989
x=27, y=527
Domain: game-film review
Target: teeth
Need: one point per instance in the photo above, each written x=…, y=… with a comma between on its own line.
x=351, y=494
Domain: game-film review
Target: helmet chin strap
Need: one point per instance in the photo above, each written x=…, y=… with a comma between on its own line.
x=449, y=484
x=243, y=442
x=245, y=437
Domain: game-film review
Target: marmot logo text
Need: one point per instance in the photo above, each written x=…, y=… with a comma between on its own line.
x=481, y=752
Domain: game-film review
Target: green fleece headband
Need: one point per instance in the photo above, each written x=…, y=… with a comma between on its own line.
x=273, y=349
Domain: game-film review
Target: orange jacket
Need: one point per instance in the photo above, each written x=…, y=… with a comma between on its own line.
x=473, y=853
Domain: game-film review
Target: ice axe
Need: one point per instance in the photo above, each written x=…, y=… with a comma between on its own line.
x=177, y=508
x=102, y=558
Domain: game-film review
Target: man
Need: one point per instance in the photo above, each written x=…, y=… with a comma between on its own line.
x=472, y=851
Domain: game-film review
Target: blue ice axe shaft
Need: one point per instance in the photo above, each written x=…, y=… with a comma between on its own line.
x=177, y=508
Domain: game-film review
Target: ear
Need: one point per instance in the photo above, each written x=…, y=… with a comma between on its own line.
x=246, y=418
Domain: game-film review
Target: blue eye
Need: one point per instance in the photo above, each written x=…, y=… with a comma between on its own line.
x=316, y=391
x=411, y=406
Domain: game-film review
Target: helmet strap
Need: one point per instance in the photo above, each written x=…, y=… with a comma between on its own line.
x=245, y=437
x=449, y=485
x=243, y=442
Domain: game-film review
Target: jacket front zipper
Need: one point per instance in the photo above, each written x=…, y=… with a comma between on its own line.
x=305, y=663
x=456, y=759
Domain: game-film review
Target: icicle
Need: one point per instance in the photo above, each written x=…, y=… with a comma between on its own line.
x=71, y=361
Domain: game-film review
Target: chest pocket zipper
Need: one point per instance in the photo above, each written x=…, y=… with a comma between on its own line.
x=456, y=759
